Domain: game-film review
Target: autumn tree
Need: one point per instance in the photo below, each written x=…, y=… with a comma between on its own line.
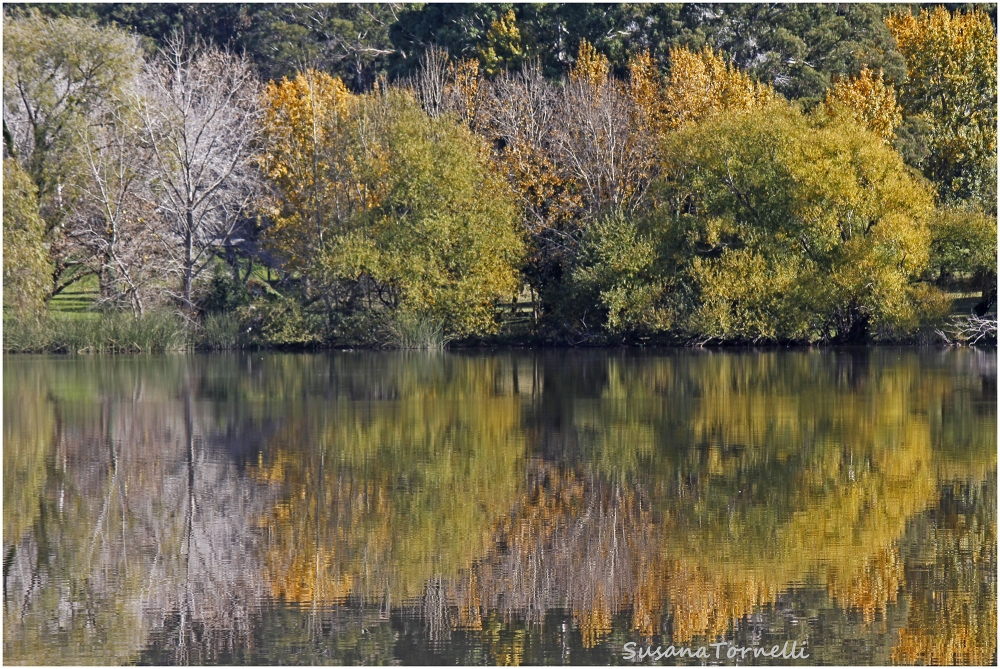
x=570, y=153
x=772, y=226
x=951, y=87
x=702, y=83
x=55, y=72
x=307, y=159
x=200, y=116
x=404, y=218
x=645, y=88
x=445, y=229
x=806, y=231
x=870, y=100
x=648, y=108
x=502, y=48
x=599, y=138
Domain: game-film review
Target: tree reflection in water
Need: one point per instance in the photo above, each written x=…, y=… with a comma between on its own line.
x=502, y=508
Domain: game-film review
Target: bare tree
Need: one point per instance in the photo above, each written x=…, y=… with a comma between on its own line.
x=522, y=111
x=522, y=119
x=443, y=85
x=430, y=83
x=117, y=221
x=201, y=118
x=601, y=142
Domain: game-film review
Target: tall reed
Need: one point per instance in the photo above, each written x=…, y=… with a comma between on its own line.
x=111, y=332
x=413, y=331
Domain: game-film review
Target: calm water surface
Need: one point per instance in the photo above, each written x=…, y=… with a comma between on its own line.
x=532, y=508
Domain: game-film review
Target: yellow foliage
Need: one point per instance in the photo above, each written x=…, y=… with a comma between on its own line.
x=26, y=268
x=956, y=41
x=591, y=66
x=646, y=91
x=869, y=100
x=951, y=65
x=702, y=83
x=816, y=229
x=503, y=44
x=306, y=122
x=467, y=79
x=370, y=186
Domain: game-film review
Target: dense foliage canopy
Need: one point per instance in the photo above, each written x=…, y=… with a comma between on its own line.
x=559, y=173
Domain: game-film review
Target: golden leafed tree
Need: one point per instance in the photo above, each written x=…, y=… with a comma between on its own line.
x=591, y=65
x=701, y=83
x=870, y=100
x=951, y=66
x=645, y=87
x=385, y=208
x=502, y=49
x=306, y=159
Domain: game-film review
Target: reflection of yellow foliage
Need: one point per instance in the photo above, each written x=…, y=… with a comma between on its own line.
x=649, y=595
x=876, y=585
x=595, y=622
x=852, y=464
x=953, y=601
x=704, y=600
x=787, y=475
x=470, y=613
x=950, y=645
x=394, y=493
x=506, y=646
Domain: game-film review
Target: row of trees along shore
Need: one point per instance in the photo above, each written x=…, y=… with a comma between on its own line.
x=665, y=188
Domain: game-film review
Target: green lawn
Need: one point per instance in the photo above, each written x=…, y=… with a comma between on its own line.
x=76, y=300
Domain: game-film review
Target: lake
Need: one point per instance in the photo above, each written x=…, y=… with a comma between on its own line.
x=540, y=507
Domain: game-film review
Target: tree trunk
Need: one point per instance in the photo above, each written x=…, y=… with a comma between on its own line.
x=188, y=258
x=103, y=278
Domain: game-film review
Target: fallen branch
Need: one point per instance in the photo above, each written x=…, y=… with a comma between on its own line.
x=969, y=331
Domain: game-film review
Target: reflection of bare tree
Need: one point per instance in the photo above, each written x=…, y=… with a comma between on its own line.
x=212, y=584
x=143, y=529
